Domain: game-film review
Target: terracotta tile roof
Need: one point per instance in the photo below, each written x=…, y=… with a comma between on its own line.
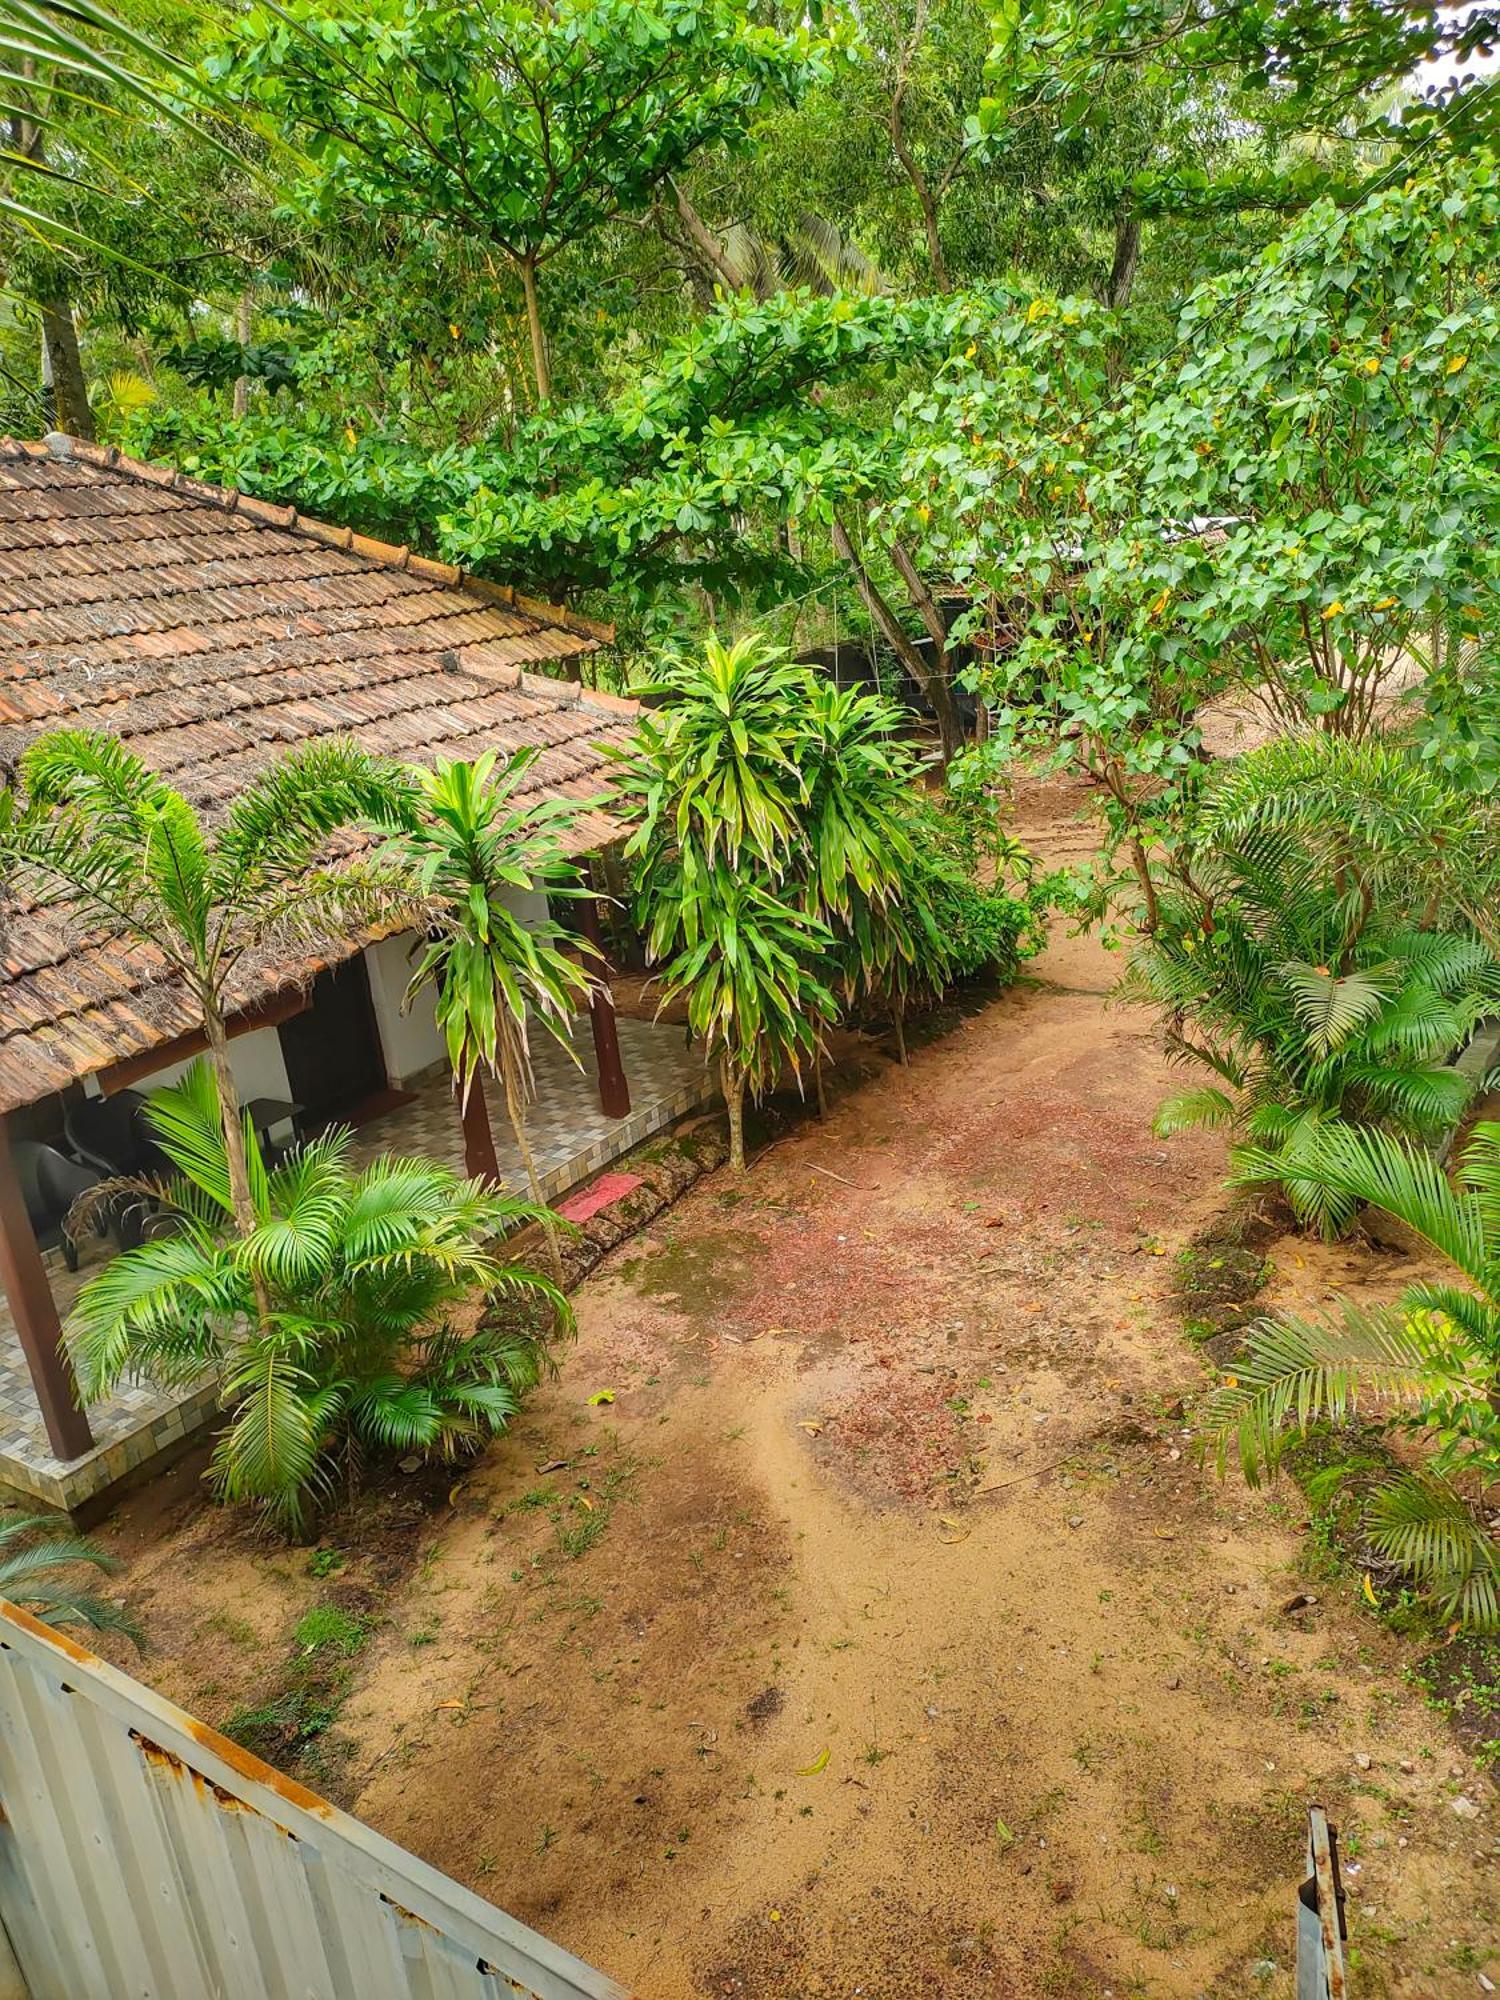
x=211, y=632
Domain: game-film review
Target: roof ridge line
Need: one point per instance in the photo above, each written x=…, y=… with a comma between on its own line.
x=390, y=554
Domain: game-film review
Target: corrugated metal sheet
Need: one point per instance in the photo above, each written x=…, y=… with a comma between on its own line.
x=145, y=1857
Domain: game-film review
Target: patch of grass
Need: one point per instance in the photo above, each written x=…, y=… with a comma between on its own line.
x=238, y=1630
x=289, y=1723
x=582, y=1521
x=329, y=1625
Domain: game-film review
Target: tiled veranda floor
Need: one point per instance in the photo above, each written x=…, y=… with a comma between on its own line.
x=570, y=1138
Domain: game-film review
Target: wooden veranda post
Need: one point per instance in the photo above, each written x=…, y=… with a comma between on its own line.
x=614, y=1091
x=480, y=1162
x=23, y=1277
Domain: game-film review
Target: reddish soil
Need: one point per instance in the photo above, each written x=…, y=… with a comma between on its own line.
x=883, y=1634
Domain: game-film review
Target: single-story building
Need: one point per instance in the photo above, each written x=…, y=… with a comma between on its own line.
x=212, y=632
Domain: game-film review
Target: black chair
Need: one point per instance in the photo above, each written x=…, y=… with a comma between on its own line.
x=50, y=1184
x=112, y=1135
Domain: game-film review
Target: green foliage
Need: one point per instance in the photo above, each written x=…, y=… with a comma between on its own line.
x=971, y=925
x=1426, y=1366
x=34, y=1548
x=1329, y=67
x=785, y=864
x=366, y=1344
x=89, y=823
x=527, y=124
x=1295, y=494
x=1310, y=951
x=474, y=843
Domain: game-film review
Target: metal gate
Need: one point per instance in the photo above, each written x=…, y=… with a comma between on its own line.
x=145, y=1857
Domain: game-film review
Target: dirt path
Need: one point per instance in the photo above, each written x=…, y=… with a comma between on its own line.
x=881, y=1634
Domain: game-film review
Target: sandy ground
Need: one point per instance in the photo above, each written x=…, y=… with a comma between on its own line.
x=881, y=1633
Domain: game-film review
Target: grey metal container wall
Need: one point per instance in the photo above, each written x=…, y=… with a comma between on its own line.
x=145, y=1857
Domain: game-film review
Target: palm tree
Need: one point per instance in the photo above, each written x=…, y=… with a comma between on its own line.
x=470, y=849
x=337, y=1322
x=1428, y=1364
x=33, y=1547
x=92, y=826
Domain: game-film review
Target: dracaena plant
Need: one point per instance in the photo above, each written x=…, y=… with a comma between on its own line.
x=1425, y=1367
x=390, y=1322
x=1316, y=952
x=774, y=858
x=748, y=961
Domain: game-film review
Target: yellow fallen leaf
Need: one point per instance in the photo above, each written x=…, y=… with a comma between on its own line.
x=819, y=1763
x=584, y=1501
x=1370, y=1591
x=775, y=1916
x=812, y=1425
x=1458, y=362
x=601, y=1396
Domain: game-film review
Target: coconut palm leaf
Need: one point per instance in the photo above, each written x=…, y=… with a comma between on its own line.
x=1196, y=1110
x=1297, y=1372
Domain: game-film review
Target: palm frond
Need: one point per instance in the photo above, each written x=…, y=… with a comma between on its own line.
x=1296, y=1372
x=1424, y=1524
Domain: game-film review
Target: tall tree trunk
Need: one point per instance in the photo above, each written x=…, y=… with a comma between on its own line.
x=732, y=1079
x=62, y=371
x=911, y=166
x=1121, y=281
x=705, y=245
x=898, y=1018
x=933, y=685
x=242, y=323
x=819, y=1089
x=539, y=364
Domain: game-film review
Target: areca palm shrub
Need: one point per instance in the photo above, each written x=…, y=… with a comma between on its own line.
x=368, y=1340
x=36, y=1553
x=1317, y=951
x=1425, y=1367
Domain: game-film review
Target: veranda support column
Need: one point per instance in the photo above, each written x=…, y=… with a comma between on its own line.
x=614, y=1091
x=479, y=1138
x=23, y=1278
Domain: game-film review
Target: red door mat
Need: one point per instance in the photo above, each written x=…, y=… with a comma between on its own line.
x=588, y=1201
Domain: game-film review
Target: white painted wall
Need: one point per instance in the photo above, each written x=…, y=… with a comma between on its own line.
x=411, y=1041
x=256, y=1061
